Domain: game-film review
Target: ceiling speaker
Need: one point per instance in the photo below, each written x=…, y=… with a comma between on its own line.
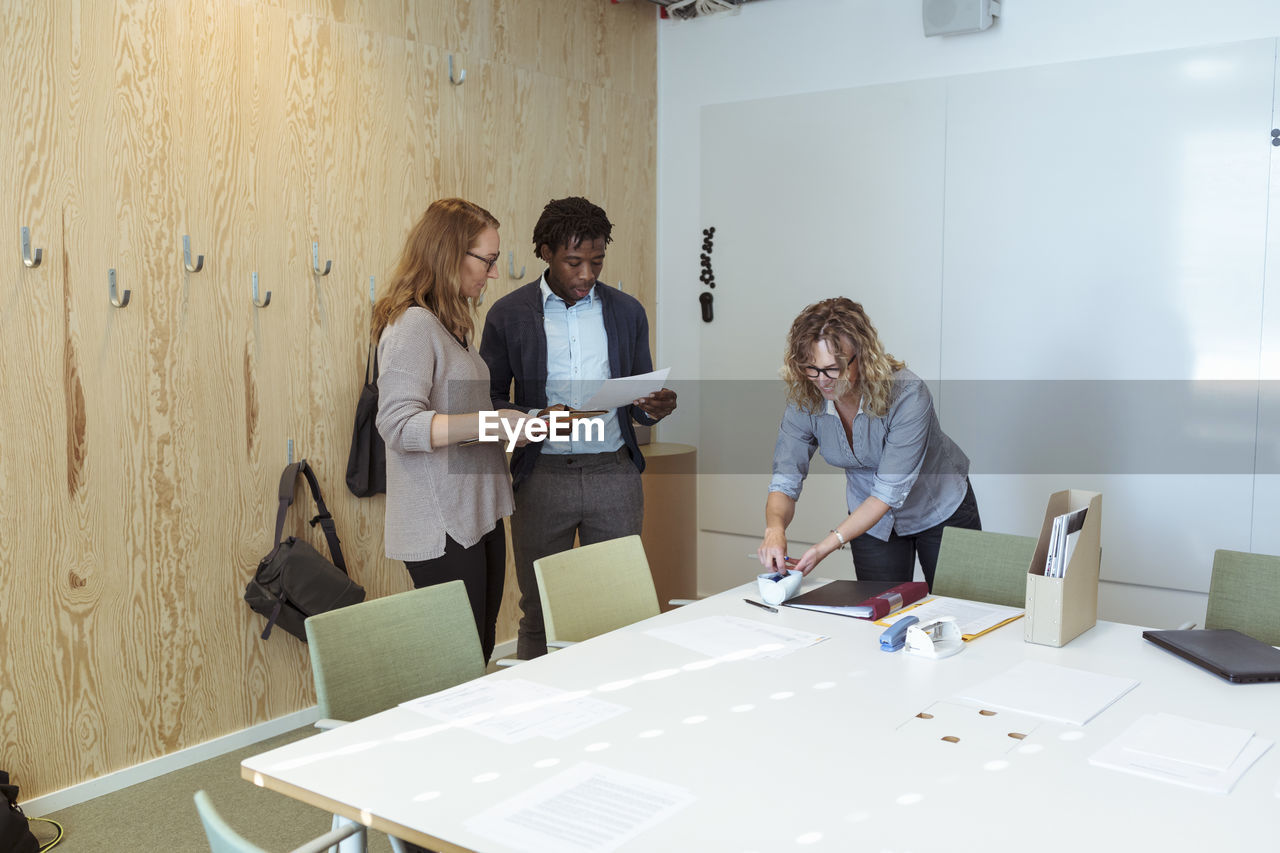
x=953, y=17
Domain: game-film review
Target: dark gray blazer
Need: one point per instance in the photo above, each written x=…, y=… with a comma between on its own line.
x=514, y=345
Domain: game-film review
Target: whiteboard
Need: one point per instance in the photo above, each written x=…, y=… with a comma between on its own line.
x=1074, y=255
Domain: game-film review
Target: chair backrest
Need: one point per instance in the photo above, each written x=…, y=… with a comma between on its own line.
x=981, y=566
x=1244, y=594
x=593, y=589
x=372, y=656
x=222, y=838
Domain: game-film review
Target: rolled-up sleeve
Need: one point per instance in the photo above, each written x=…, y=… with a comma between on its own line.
x=906, y=441
x=404, y=411
x=792, y=453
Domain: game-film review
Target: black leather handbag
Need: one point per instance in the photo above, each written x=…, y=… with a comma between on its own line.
x=367, y=461
x=295, y=581
x=15, y=833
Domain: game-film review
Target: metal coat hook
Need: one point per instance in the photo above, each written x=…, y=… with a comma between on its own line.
x=186, y=256
x=462, y=75
x=261, y=303
x=27, y=259
x=511, y=266
x=315, y=261
x=372, y=292
x=290, y=451
x=116, y=300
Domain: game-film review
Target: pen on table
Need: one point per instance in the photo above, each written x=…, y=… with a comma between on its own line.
x=762, y=606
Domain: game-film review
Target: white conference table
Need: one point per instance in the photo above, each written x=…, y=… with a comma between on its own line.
x=817, y=750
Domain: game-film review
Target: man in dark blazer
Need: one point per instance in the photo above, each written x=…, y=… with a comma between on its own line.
x=555, y=338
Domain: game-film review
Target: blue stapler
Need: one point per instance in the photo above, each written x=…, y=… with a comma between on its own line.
x=895, y=636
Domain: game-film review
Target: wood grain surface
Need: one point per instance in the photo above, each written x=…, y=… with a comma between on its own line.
x=143, y=444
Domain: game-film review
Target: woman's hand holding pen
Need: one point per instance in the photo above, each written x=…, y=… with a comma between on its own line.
x=773, y=549
x=810, y=559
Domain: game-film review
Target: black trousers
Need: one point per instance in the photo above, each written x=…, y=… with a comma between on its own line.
x=895, y=560
x=482, y=568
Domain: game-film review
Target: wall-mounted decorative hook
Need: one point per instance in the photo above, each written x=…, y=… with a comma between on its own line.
x=265, y=301
x=186, y=256
x=290, y=462
x=315, y=261
x=373, y=291
x=116, y=299
x=27, y=258
x=511, y=266
x=707, y=312
x=462, y=73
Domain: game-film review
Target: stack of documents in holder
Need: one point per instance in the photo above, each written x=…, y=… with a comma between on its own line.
x=861, y=599
x=1200, y=755
x=1066, y=530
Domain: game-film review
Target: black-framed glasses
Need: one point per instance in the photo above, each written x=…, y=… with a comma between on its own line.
x=488, y=262
x=833, y=372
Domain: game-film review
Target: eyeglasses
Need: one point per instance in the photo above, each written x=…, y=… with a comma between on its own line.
x=488, y=262
x=832, y=372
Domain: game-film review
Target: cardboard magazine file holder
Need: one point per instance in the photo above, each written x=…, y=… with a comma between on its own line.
x=1061, y=609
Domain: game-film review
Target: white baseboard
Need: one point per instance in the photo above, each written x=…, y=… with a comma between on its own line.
x=167, y=763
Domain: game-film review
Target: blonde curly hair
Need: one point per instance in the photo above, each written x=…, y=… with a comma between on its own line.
x=848, y=333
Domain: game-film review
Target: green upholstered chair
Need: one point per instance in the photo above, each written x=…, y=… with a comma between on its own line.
x=980, y=566
x=372, y=656
x=1244, y=594
x=592, y=589
x=224, y=839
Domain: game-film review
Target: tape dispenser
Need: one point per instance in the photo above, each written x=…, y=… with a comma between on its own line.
x=938, y=638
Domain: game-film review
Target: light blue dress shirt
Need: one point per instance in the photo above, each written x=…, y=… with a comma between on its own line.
x=577, y=365
x=903, y=458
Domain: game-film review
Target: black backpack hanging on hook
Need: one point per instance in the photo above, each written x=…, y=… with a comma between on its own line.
x=295, y=581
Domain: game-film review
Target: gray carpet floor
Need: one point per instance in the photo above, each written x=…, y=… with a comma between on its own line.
x=159, y=814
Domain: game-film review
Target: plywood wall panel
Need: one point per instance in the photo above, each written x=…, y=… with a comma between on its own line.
x=153, y=435
x=31, y=466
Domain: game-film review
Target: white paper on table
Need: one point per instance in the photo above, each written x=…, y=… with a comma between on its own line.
x=514, y=709
x=620, y=392
x=1046, y=690
x=1117, y=756
x=585, y=808
x=735, y=638
x=1208, y=745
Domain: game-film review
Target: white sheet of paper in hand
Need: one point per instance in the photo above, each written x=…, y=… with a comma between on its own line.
x=620, y=392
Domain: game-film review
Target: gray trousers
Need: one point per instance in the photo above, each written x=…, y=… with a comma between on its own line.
x=595, y=496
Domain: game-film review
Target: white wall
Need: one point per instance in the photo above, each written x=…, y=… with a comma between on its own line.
x=788, y=47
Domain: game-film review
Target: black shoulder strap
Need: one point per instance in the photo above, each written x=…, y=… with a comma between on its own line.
x=371, y=360
x=287, y=480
